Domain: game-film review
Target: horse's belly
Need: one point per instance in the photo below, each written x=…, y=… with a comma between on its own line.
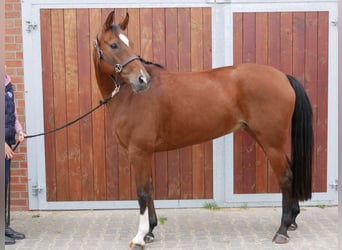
x=190, y=132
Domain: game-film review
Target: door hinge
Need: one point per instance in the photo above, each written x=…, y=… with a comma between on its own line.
x=30, y=26
x=334, y=185
x=36, y=189
x=334, y=22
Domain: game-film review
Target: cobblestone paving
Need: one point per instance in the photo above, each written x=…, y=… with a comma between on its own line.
x=226, y=228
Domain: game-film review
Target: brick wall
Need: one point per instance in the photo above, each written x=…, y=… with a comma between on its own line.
x=14, y=63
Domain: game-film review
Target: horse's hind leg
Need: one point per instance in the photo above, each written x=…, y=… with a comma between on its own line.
x=295, y=211
x=290, y=209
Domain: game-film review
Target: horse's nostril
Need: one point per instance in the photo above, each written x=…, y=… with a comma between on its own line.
x=142, y=79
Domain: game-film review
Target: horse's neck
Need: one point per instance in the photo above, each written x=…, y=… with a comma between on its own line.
x=153, y=70
x=105, y=85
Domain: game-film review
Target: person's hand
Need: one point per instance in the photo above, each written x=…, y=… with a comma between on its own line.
x=21, y=136
x=8, y=151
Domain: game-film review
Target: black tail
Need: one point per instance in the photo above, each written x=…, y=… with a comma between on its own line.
x=302, y=143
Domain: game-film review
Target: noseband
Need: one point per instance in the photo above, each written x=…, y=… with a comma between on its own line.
x=118, y=67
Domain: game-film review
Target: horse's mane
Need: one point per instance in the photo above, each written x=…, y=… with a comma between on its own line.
x=151, y=63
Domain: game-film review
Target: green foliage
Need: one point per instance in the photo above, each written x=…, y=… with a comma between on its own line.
x=211, y=205
x=162, y=220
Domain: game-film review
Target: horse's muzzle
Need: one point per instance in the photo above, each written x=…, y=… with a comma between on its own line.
x=142, y=83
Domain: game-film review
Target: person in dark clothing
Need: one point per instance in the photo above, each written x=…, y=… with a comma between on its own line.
x=12, y=127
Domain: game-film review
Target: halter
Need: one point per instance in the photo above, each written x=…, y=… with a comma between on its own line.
x=118, y=67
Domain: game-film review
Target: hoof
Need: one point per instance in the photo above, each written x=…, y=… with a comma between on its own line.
x=149, y=238
x=280, y=239
x=134, y=246
x=293, y=227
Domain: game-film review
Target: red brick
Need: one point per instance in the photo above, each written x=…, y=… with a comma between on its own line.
x=13, y=46
x=17, y=7
x=19, y=172
x=23, y=195
x=19, y=55
x=9, y=39
x=9, y=55
x=12, y=14
x=18, y=187
x=18, y=203
x=9, y=7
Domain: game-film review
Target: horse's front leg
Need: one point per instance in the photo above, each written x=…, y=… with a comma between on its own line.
x=149, y=237
x=142, y=165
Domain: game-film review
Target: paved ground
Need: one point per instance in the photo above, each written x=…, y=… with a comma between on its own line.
x=233, y=228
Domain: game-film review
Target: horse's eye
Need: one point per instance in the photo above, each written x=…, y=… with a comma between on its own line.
x=114, y=45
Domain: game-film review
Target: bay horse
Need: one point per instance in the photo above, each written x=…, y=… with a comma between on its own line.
x=157, y=110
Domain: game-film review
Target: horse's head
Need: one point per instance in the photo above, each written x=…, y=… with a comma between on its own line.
x=115, y=57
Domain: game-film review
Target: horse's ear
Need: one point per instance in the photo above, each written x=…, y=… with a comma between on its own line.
x=123, y=24
x=109, y=21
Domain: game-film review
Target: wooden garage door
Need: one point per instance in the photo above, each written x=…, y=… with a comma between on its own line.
x=83, y=161
x=297, y=44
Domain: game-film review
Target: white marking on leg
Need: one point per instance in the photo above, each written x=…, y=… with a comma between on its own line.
x=124, y=39
x=144, y=226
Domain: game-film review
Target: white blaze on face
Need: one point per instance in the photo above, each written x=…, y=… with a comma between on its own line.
x=144, y=226
x=124, y=39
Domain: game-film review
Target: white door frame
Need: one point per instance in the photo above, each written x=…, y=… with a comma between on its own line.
x=222, y=42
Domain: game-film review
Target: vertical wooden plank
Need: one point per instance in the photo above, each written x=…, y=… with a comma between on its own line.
x=249, y=38
x=112, y=155
x=171, y=41
x=173, y=174
x=98, y=129
x=146, y=24
x=58, y=55
x=261, y=55
x=207, y=45
x=112, y=160
x=126, y=176
x=173, y=160
x=237, y=29
x=71, y=78
x=274, y=40
x=161, y=186
x=208, y=170
x=198, y=162
x=207, y=64
x=311, y=72
x=159, y=55
x=238, y=153
x=133, y=30
x=49, y=120
x=286, y=42
x=125, y=185
x=186, y=181
x=184, y=46
x=299, y=50
x=196, y=31
x=274, y=60
x=322, y=98
x=184, y=39
x=87, y=163
x=158, y=36
x=248, y=54
x=286, y=52
x=261, y=42
x=298, y=45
